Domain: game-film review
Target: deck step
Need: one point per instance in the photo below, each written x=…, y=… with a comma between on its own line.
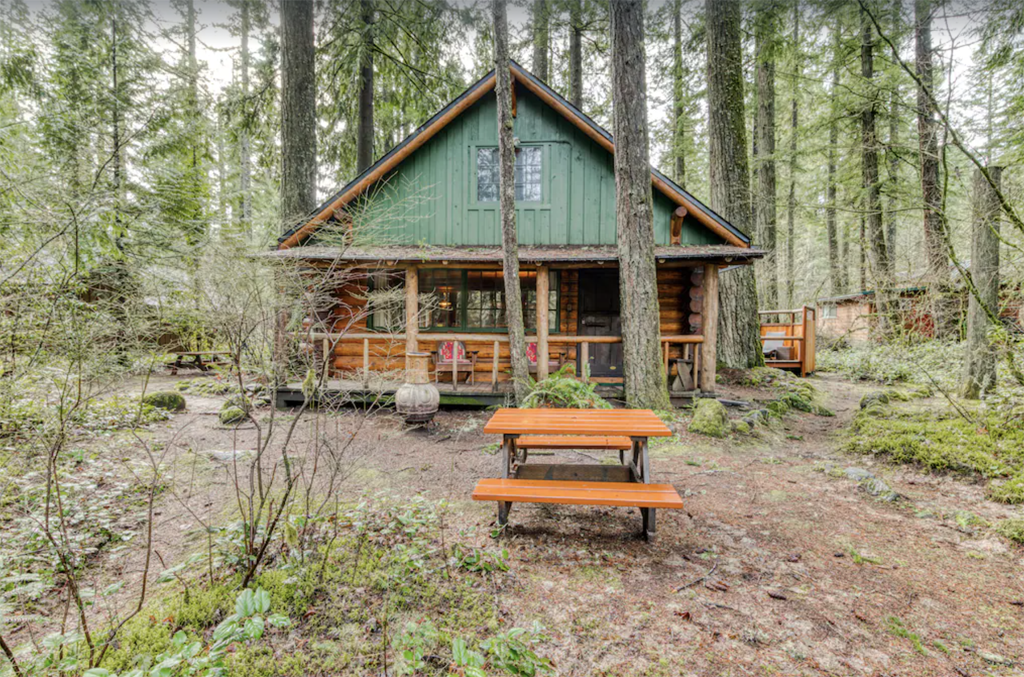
x=573, y=442
x=628, y=494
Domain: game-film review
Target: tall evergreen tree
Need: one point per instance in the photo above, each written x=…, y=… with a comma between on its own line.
x=875, y=234
x=739, y=343
x=541, y=38
x=507, y=205
x=765, y=38
x=644, y=379
x=298, y=111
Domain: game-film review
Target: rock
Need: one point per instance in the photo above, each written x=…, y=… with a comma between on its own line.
x=741, y=427
x=228, y=455
x=710, y=418
x=879, y=489
x=778, y=408
x=858, y=474
x=165, y=399
x=231, y=415
x=754, y=418
x=994, y=658
x=878, y=397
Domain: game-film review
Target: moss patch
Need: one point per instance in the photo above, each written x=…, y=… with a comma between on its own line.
x=231, y=415
x=944, y=441
x=1012, y=529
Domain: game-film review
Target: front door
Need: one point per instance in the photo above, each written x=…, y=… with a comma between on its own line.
x=599, y=316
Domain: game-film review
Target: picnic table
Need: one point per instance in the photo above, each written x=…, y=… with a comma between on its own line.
x=625, y=430
x=197, y=359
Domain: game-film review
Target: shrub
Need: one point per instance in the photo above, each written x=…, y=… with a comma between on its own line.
x=563, y=390
x=1012, y=529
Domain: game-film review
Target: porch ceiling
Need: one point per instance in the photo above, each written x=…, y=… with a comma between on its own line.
x=547, y=254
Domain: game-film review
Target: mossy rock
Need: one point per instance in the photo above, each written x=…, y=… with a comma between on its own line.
x=741, y=427
x=778, y=408
x=819, y=410
x=878, y=397
x=799, y=402
x=710, y=418
x=165, y=399
x=231, y=415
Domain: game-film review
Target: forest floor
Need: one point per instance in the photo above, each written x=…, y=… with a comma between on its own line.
x=779, y=563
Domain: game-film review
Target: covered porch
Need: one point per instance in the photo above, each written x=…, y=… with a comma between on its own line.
x=455, y=296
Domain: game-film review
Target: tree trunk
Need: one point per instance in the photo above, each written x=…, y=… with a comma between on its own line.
x=117, y=153
x=678, y=96
x=634, y=212
x=834, y=267
x=765, y=213
x=877, y=260
x=298, y=111
x=793, y=130
x=739, y=343
x=576, y=53
x=983, y=306
x=507, y=207
x=245, y=168
x=364, y=128
x=892, y=161
x=541, y=39
x=931, y=194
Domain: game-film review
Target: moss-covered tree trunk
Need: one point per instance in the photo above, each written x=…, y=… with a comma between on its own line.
x=836, y=262
x=931, y=192
x=983, y=306
x=507, y=205
x=634, y=212
x=875, y=233
x=765, y=27
x=739, y=343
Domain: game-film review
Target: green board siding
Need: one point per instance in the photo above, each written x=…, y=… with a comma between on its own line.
x=431, y=197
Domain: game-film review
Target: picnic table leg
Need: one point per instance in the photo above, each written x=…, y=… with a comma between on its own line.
x=648, y=514
x=508, y=450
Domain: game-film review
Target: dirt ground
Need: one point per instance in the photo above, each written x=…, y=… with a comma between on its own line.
x=776, y=566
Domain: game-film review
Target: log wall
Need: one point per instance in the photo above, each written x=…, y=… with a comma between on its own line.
x=679, y=295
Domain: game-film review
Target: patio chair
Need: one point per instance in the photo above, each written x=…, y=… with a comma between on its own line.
x=553, y=364
x=451, y=357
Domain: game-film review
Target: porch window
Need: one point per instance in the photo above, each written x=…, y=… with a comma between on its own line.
x=528, y=174
x=474, y=300
x=829, y=311
x=385, y=300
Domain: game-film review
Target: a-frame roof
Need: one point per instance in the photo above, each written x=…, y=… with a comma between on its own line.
x=703, y=214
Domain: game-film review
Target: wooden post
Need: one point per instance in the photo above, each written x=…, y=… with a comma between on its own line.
x=709, y=322
x=494, y=367
x=666, y=345
x=542, y=323
x=585, y=361
x=412, y=310
x=366, y=362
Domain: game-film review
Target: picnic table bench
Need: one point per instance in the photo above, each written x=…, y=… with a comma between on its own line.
x=627, y=484
x=197, y=359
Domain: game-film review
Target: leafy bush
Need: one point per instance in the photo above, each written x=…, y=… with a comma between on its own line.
x=886, y=363
x=118, y=413
x=563, y=390
x=1012, y=529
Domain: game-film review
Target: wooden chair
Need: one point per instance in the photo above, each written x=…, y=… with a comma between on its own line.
x=553, y=364
x=452, y=357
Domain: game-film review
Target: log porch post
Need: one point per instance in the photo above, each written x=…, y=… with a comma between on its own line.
x=709, y=327
x=412, y=310
x=542, y=323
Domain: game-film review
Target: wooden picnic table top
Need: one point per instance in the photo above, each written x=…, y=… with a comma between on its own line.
x=625, y=422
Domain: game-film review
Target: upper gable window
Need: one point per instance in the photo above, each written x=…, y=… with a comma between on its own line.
x=529, y=171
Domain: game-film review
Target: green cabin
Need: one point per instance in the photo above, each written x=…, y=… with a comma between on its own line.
x=418, y=237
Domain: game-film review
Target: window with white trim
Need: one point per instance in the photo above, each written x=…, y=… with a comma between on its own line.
x=529, y=174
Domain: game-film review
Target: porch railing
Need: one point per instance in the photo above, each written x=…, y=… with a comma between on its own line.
x=691, y=347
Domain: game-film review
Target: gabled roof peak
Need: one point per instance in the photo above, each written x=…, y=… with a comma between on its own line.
x=474, y=93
